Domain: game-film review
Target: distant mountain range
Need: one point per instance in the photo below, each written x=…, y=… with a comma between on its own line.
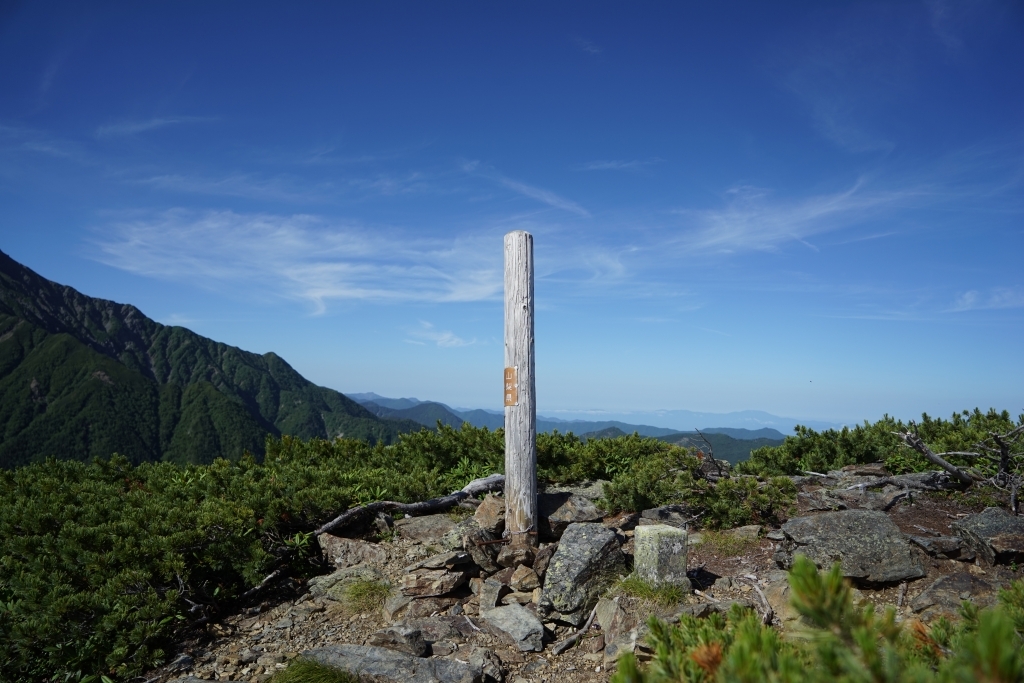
x=728, y=443
x=83, y=377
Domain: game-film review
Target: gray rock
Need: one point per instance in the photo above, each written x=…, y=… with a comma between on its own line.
x=442, y=627
x=400, y=637
x=406, y=607
x=994, y=534
x=426, y=583
x=490, y=515
x=543, y=559
x=945, y=595
x=591, y=489
x=489, y=663
x=446, y=560
x=673, y=515
x=866, y=543
x=453, y=538
x=660, y=555
x=813, y=501
x=491, y=593
x=518, y=624
x=346, y=552
x=950, y=547
x=333, y=585
x=478, y=543
x=182, y=662
x=394, y=667
x=524, y=579
x=871, y=499
x=587, y=561
x=556, y=511
x=516, y=555
x=613, y=619
x=425, y=529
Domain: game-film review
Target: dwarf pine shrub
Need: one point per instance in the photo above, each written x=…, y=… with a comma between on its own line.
x=840, y=642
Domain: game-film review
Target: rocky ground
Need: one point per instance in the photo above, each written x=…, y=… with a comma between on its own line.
x=442, y=598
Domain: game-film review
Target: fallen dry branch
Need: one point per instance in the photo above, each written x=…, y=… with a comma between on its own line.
x=561, y=647
x=769, y=613
x=473, y=488
x=915, y=442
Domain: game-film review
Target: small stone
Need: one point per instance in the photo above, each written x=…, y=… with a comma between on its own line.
x=524, y=579
x=745, y=533
x=517, y=598
x=448, y=560
x=432, y=582
x=491, y=593
x=543, y=559
x=490, y=514
x=518, y=624
x=516, y=555
x=402, y=638
x=480, y=545
x=347, y=552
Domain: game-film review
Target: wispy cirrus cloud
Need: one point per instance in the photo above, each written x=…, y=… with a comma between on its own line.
x=129, y=128
x=994, y=298
x=533, y=192
x=616, y=165
x=426, y=332
x=303, y=257
x=585, y=45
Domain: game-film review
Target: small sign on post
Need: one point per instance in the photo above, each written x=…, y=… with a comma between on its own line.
x=511, y=387
x=520, y=393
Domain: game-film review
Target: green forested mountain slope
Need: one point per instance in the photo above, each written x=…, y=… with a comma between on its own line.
x=83, y=377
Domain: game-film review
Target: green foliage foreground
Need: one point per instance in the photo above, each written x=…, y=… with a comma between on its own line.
x=104, y=564
x=840, y=643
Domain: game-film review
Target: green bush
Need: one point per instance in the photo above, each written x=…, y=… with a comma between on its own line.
x=841, y=642
x=809, y=450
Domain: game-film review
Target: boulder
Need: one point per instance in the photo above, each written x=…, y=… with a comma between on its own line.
x=346, y=552
x=490, y=514
x=950, y=547
x=945, y=595
x=866, y=543
x=453, y=539
x=660, y=555
x=425, y=529
x=400, y=637
x=516, y=624
x=556, y=511
x=871, y=499
x=591, y=489
x=442, y=627
x=994, y=534
x=587, y=561
x=382, y=664
x=427, y=583
x=673, y=515
x=333, y=586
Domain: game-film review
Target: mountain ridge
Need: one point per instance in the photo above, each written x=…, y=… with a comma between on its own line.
x=83, y=377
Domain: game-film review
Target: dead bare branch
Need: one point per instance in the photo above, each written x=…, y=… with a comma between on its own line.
x=915, y=442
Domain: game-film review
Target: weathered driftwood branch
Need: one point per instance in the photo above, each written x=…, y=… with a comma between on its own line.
x=769, y=613
x=561, y=647
x=261, y=585
x=473, y=488
x=915, y=442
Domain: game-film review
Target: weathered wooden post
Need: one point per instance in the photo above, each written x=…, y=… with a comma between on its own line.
x=520, y=393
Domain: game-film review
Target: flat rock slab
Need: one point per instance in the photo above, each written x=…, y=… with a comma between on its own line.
x=333, y=585
x=490, y=514
x=347, y=552
x=950, y=547
x=945, y=595
x=556, y=511
x=518, y=625
x=673, y=515
x=426, y=583
x=591, y=489
x=388, y=665
x=402, y=638
x=866, y=543
x=425, y=529
x=994, y=534
x=587, y=561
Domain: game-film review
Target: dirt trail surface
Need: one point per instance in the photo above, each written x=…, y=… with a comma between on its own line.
x=440, y=597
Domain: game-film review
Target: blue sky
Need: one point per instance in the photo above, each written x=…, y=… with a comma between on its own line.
x=813, y=209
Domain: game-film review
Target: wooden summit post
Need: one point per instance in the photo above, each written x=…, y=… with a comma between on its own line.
x=520, y=393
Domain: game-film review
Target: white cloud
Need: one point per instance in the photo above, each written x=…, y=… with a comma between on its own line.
x=615, y=165
x=304, y=257
x=586, y=46
x=995, y=298
x=537, y=193
x=128, y=128
x=426, y=332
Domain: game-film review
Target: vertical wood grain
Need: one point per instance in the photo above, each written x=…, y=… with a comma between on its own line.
x=520, y=419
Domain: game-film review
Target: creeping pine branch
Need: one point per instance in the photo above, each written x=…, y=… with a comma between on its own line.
x=915, y=442
x=477, y=486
